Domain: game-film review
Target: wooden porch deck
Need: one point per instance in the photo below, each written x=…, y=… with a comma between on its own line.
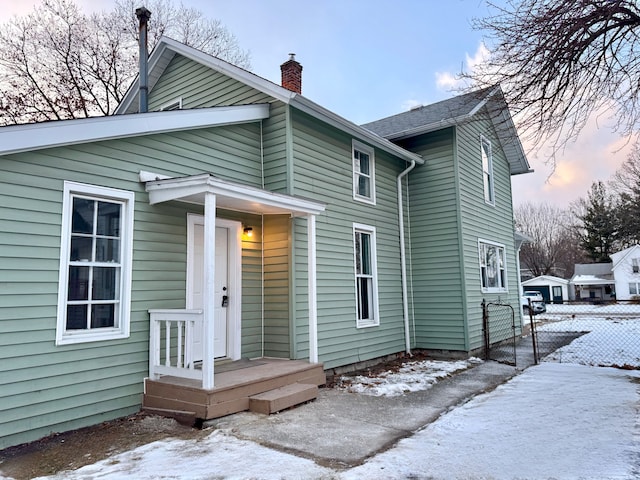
x=237, y=387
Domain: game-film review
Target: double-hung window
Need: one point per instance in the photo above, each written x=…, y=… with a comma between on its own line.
x=487, y=170
x=634, y=288
x=364, y=238
x=635, y=265
x=95, y=264
x=492, y=267
x=364, y=187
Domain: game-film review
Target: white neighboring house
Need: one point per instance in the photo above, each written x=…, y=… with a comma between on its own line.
x=626, y=272
x=593, y=281
x=553, y=289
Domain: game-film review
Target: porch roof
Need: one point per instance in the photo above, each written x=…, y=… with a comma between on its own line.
x=229, y=195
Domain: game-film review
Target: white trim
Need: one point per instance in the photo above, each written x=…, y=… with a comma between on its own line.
x=312, y=286
x=36, y=136
x=367, y=150
x=234, y=284
x=127, y=199
x=231, y=196
x=208, y=299
x=368, y=229
x=491, y=184
x=505, y=287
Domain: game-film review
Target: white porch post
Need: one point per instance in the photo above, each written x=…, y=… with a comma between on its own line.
x=208, y=298
x=313, y=299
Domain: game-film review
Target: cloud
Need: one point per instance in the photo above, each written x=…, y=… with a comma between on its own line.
x=451, y=81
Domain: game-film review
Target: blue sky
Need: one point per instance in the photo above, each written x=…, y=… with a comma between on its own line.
x=367, y=59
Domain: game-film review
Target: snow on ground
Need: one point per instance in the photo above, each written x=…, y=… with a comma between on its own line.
x=411, y=377
x=560, y=421
x=555, y=420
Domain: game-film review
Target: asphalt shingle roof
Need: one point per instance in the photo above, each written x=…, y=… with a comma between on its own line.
x=443, y=112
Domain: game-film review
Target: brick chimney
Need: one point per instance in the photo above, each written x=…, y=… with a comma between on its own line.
x=292, y=74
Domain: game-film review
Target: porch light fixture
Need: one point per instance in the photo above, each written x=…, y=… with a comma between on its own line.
x=248, y=232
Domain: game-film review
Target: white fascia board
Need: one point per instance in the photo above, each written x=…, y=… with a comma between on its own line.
x=185, y=187
x=36, y=136
x=321, y=113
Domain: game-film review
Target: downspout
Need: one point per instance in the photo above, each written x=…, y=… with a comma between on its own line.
x=403, y=259
x=143, y=79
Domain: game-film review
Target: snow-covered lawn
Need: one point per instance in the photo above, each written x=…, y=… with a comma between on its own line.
x=612, y=338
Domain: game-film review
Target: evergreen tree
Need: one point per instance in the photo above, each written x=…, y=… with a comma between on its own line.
x=598, y=231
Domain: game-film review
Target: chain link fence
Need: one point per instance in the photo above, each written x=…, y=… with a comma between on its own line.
x=599, y=334
x=499, y=329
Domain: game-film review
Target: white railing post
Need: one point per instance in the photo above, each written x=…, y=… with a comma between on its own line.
x=208, y=299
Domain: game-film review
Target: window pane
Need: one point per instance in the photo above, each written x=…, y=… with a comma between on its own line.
x=107, y=250
x=104, y=283
x=366, y=253
x=82, y=220
x=76, y=317
x=364, y=162
x=81, y=248
x=492, y=266
x=102, y=316
x=108, y=219
x=633, y=288
x=364, y=297
x=78, y=283
x=363, y=186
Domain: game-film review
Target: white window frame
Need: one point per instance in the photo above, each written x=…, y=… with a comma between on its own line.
x=486, y=153
x=635, y=265
x=374, y=308
x=172, y=105
x=637, y=288
x=122, y=329
x=361, y=147
x=503, y=286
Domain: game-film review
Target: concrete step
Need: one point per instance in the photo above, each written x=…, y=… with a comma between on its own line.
x=283, y=397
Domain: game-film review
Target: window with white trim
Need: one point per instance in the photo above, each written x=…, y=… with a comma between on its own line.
x=364, y=239
x=487, y=170
x=493, y=272
x=95, y=264
x=634, y=288
x=635, y=265
x=364, y=187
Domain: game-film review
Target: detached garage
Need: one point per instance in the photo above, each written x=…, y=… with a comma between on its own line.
x=553, y=289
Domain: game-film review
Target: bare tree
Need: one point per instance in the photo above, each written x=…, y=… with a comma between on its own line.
x=559, y=62
x=548, y=226
x=58, y=63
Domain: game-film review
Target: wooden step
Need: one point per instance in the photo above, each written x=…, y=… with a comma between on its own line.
x=283, y=397
x=182, y=417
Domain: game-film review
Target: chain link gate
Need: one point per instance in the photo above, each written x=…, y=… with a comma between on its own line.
x=499, y=329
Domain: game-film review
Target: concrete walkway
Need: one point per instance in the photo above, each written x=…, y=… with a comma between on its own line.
x=341, y=429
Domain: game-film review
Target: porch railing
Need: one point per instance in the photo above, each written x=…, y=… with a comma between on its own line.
x=171, y=341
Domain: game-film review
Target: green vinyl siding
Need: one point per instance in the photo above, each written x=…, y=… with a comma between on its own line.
x=274, y=149
x=199, y=86
x=323, y=172
x=480, y=220
x=276, y=286
x=436, y=268
x=46, y=388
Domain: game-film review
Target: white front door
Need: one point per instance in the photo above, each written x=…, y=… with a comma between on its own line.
x=224, y=286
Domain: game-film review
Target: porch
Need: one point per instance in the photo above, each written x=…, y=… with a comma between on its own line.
x=264, y=385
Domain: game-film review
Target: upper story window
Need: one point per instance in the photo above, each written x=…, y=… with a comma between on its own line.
x=172, y=105
x=635, y=265
x=364, y=187
x=493, y=272
x=487, y=170
x=95, y=264
x=364, y=239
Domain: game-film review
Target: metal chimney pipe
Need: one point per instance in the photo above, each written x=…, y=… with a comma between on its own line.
x=143, y=79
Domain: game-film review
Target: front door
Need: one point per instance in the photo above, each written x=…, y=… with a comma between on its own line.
x=224, y=317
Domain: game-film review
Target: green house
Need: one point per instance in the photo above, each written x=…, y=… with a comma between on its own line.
x=238, y=221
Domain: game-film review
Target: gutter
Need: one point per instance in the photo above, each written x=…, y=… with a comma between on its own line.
x=403, y=259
